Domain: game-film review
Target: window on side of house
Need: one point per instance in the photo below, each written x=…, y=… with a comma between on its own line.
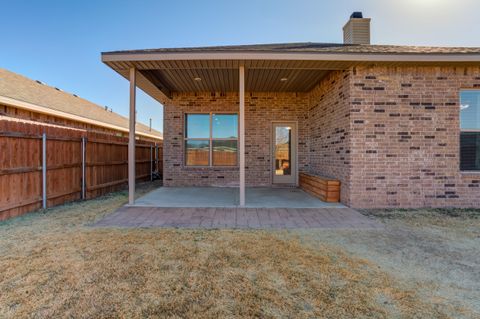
x=211, y=139
x=470, y=130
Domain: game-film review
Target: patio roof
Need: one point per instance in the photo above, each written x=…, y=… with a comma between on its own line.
x=288, y=67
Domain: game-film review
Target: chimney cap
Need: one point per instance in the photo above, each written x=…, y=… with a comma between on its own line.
x=357, y=15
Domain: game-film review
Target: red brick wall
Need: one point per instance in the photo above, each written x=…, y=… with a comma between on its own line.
x=260, y=110
x=175, y=173
x=405, y=138
x=329, y=129
x=390, y=135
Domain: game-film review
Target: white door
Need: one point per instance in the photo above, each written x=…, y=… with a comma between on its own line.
x=284, y=155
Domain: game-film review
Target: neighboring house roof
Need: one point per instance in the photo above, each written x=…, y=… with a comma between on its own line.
x=311, y=47
x=22, y=92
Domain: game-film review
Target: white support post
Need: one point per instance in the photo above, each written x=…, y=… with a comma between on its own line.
x=241, y=94
x=131, y=139
x=44, y=171
x=84, y=150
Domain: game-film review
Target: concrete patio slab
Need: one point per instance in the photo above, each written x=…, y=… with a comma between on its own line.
x=257, y=197
x=237, y=218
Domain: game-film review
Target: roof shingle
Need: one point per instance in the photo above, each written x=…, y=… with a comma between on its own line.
x=311, y=47
x=21, y=88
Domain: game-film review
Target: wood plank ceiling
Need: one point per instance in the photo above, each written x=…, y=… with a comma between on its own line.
x=226, y=80
x=222, y=75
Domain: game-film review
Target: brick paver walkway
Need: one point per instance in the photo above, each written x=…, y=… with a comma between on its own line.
x=254, y=218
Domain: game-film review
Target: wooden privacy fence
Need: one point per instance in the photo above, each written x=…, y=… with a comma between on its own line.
x=201, y=157
x=44, y=169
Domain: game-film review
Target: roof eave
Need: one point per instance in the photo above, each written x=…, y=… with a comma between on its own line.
x=312, y=56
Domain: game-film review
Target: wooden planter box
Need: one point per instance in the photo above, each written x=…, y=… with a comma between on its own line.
x=327, y=189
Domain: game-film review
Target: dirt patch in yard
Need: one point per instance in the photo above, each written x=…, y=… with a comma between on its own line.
x=436, y=251
x=53, y=264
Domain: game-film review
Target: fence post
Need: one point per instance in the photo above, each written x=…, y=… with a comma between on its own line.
x=151, y=162
x=84, y=149
x=156, y=157
x=44, y=170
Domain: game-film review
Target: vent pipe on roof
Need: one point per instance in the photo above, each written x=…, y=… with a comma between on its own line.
x=357, y=30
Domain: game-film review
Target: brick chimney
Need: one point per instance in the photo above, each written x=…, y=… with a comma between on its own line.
x=357, y=30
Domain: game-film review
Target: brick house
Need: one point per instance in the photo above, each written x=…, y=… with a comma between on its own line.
x=398, y=126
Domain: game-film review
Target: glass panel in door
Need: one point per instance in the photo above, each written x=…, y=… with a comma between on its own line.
x=284, y=153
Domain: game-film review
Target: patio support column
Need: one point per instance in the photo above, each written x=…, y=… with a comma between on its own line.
x=241, y=94
x=131, y=139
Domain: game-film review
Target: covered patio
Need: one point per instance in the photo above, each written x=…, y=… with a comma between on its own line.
x=168, y=74
x=228, y=197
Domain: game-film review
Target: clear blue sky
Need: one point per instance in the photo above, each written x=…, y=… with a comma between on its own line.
x=59, y=42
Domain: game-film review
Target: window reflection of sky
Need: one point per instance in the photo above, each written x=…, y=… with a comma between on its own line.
x=198, y=125
x=223, y=126
x=470, y=110
x=282, y=135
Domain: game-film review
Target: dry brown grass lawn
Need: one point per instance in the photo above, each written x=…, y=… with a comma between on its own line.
x=54, y=265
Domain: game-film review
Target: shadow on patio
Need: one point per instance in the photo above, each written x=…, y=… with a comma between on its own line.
x=257, y=197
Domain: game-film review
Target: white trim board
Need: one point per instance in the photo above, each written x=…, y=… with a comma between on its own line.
x=313, y=56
